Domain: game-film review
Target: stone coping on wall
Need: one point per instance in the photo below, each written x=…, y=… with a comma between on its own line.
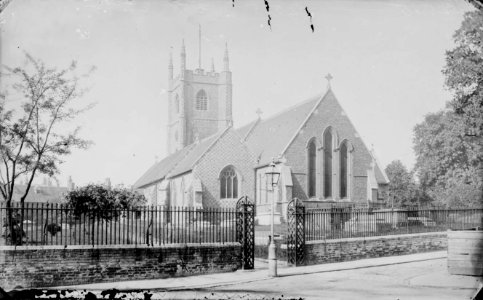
x=116, y=246
x=379, y=237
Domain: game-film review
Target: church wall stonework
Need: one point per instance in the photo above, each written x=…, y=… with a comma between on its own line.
x=229, y=150
x=201, y=122
x=181, y=190
x=150, y=193
x=299, y=182
x=360, y=188
x=329, y=113
x=225, y=92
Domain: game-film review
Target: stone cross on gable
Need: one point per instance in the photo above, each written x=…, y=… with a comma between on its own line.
x=373, y=162
x=259, y=112
x=329, y=78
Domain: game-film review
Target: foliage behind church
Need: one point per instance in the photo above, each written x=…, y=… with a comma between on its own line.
x=449, y=143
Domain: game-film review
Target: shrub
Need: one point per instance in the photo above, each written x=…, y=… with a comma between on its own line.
x=101, y=201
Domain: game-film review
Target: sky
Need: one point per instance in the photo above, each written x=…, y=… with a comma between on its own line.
x=385, y=57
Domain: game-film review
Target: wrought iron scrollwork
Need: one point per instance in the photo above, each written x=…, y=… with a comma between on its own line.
x=245, y=231
x=296, y=232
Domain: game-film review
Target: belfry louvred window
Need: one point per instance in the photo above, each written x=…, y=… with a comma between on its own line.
x=201, y=100
x=228, y=183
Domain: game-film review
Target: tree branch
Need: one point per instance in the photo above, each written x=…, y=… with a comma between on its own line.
x=54, y=117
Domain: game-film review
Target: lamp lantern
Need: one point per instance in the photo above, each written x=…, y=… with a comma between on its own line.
x=273, y=175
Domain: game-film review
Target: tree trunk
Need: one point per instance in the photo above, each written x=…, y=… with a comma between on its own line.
x=9, y=226
x=13, y=234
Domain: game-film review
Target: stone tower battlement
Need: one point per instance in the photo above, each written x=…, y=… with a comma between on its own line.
x=199, y=102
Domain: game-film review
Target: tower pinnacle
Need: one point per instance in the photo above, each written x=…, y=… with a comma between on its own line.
x=183, y=56
x=226, y=64
x=170, y=65
x=199, y=45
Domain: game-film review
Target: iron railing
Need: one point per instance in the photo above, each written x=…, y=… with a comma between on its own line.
x=56, y=224
x=336, y=223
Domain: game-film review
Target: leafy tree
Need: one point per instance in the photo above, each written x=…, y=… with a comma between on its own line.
x=476, y=3
x=464, y=77
x=37, y=104
x=459, y=190
x=402, y=190
x=447, y=161
x=3, y=4
x=464, y=72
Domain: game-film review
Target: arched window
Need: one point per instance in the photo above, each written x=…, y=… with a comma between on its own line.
x=343, y=169
x=176, y=103
x=312, y=161
x=201, y=100
x=228, y=183
x=328, y=163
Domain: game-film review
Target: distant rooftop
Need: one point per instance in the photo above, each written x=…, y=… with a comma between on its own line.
x=40, y=193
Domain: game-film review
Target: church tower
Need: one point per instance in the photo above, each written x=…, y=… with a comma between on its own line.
x=199, y=101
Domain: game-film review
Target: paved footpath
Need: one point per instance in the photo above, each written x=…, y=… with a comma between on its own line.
x=416, y=276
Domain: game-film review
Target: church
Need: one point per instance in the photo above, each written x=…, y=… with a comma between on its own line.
x=322, y=159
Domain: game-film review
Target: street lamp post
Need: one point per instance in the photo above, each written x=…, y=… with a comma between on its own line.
x=273, y=176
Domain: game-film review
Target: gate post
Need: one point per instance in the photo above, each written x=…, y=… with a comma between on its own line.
x=296, y=232
x=245, y=231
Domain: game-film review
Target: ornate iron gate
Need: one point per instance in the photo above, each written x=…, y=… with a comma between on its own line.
x=245, y=231
x=296, y=232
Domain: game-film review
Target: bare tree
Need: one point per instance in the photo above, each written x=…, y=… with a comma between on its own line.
x=37, y=105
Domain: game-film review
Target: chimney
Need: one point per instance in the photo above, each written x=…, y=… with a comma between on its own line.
x=70, y=184
x=108, y=183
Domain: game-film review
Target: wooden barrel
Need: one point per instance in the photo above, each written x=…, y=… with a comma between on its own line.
x=465, y=252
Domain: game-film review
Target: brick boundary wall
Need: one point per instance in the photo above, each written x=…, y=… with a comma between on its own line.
x=43, y=266
x=319, y=252
x=261, y=251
